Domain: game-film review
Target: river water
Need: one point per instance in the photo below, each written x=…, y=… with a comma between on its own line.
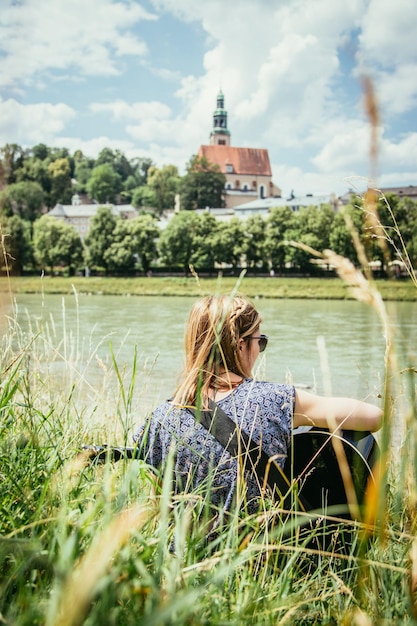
x=328, y=346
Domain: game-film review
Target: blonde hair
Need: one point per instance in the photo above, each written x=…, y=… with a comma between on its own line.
x=214, y=327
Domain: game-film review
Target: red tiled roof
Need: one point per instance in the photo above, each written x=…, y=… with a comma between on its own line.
x=249, y=161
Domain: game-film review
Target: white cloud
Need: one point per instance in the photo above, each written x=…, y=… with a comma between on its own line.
x=345, y=149
x=92, y=147
x=285, y=68
x=388, y=35
x=84, y=37
x=397, y=90
x=122, y=110
x=32, y=123
x=400, y=154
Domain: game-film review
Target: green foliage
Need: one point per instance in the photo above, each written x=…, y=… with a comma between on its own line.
x=255, y=242
x=82, y=172
x=119, y=256
x=17, y=244
x=117, y=162
x=104, y=184
x=24, y=199
x=143, y=197
x=145, y=233
x=11, y=159
x=37, y=178
x=229, y=242
x=100, y=237
x=60, y=174
x=311, y=226
x=164, y=184
x=203, y=185
x=280, y=222
x=56, y=243
x=187, y=240
x=36, y=171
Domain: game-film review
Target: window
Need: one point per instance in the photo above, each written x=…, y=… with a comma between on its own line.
x=222, y=142
x=237, y=184
x=229, y=168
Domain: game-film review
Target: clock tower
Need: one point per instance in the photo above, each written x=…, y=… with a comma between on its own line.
x=220, y=135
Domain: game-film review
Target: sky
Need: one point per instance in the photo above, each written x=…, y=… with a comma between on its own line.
x=143, y=77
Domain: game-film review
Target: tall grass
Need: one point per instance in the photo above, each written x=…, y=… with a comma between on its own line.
x=86, y=543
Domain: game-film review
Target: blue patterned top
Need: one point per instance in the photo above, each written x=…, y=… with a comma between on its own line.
x=263, y=410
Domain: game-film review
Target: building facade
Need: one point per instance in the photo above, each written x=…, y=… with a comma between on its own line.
x=247, y=170
x=79, y=215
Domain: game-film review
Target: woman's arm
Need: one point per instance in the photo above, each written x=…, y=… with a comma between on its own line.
x=350, y=414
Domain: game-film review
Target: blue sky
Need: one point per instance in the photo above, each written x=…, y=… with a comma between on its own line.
x=142, y=76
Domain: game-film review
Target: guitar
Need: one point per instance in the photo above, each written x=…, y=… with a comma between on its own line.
x=313, y=463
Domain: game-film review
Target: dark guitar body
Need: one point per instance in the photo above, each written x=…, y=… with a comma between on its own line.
x=313, y=463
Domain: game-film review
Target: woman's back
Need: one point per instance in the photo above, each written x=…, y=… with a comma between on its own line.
x=261, y=409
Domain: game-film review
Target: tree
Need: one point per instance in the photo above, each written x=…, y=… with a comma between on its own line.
x=11, y=159
x=40, y=152
x=341, y=237
x=143, y=197
x=180, y=241
x=16, y=243
x=24, y=199
x=279, y=221
x=117, y=161
x=229, y=242
x=36, y=171
x=129, y=186
x=104, y=184
x=82, y=171
x=145, y=233
x=119, y=256
x=164, y=184
x=311, y=226
x=100, y=237
x=140, y=168
x=254, y=242
x=56, y=243
x=203, y=185
x=205, y=241
x=61, y=188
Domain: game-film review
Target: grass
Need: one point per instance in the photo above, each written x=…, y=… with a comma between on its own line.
x=278, y=287
x=82, y=543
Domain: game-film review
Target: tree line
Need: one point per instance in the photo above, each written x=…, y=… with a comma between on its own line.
x=115, y=245
x=33, y=240
x=38, y=178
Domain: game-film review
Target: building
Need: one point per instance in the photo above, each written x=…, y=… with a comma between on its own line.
x=409, y=191
x=247, y=170
x=79, y=215
x=295, y=203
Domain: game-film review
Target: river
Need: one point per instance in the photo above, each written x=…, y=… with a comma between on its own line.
x=328, y=346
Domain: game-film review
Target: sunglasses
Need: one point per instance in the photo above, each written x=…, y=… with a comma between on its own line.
x=263, y=341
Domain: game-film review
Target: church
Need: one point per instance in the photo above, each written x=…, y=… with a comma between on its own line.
x=247, y=170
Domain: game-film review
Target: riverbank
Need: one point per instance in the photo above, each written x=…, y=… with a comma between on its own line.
x=253, y=287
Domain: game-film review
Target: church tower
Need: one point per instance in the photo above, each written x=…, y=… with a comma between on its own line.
x=220, y=135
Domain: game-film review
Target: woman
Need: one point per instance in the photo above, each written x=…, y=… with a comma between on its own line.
x=222, y=343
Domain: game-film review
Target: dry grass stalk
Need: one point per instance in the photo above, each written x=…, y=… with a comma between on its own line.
x=78, y=591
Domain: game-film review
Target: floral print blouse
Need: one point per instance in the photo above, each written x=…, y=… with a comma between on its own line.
x=263, y=410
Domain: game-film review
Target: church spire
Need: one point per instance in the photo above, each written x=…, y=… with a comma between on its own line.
x=220, y=135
